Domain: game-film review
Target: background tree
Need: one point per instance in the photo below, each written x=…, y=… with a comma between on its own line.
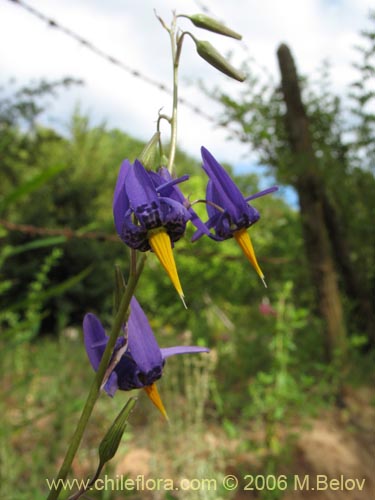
x=339, y=141
x=310, y=188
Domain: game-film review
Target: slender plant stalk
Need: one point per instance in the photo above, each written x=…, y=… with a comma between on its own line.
x=135, y=272
x=176, y=49
x=97, y=382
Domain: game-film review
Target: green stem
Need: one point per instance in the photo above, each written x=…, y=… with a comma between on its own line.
x=160, y=118
x=83, y=490
x=207, y=202
x=176, y=50
x=95, y=386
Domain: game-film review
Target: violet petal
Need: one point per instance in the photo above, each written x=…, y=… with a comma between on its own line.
x=120, y=198
x=228, y=194
x=262, y=193
x=141, y=340
x=95, y=339
x=139, y=186
x=111, y=385
x=166, y=352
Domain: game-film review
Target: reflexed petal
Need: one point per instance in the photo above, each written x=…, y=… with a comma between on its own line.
x=111, y=385
x=201, y=227
x=166, y=352
x=212, y=196
x=153, y=394
x=209, y=224
x=146, y=200
x=243, y=239
x=164, y=174
x=166, y=186
x=120, y=199
x=161, y=177
x=142, y=362
x=95, y=339
x=228, y=195
x=139, y=186
x=233, y=213
x=160, y=243
x=262, y=193
x=141, y=340
x=169, y=188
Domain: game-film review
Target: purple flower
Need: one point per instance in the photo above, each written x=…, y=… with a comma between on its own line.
x=163, y=181
x=229, y=212
x=150, y=212
x=152, y=201
x=141, y=360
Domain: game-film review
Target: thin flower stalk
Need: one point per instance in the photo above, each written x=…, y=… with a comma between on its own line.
x=98, y=379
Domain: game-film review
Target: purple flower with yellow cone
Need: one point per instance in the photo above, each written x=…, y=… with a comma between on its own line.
x=151, y=213
x=230, y=214
x=139, y=359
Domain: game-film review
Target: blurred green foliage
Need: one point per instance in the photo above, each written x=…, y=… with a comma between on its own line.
x=269, y=366
x=77, y=194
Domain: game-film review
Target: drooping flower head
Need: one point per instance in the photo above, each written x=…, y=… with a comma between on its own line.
x=146, y=218
x=230, y=213
x=150, y=212
x=141, y=360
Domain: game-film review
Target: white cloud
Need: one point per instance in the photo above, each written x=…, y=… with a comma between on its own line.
x=127, y=29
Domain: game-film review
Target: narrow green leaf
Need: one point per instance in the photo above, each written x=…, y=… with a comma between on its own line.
x=36, y=244
x=53, y=291
x=31, y=185
x=65, y=285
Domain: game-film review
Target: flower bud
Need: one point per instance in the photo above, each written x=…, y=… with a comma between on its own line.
x=111, y=441
x=147, y=157
x=210, y=24
x=213, y=57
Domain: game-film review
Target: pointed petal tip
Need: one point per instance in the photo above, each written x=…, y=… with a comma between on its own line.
x=160, y=243
x=167, y=352
x=243, y=239
x=153, y=393
x=182, y=297
x=262, y=193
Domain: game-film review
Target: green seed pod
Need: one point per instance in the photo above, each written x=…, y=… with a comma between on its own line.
x=111, y=441
x=210, y=24
x=148, y=155
x=213, y=57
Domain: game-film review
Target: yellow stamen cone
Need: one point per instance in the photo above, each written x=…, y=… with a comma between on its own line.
x=243, y=239
x=153, y=393
x=160, y=243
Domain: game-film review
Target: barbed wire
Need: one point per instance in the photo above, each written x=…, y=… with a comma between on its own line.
x=67, y=232
x=248, y=54
x=52, y=23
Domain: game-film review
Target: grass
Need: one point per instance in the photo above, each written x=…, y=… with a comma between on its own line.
x=43, y=388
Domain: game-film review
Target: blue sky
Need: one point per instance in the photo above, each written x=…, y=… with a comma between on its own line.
x=315, y=30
